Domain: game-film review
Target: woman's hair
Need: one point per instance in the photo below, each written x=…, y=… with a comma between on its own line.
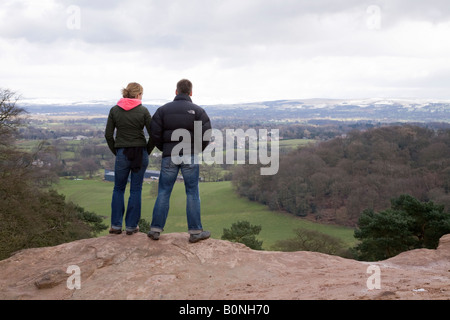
x=132, y=90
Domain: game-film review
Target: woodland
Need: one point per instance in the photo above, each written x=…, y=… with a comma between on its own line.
x=334, y=181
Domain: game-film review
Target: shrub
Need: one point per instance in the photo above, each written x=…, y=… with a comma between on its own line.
x=243, y=232
x=311, y=240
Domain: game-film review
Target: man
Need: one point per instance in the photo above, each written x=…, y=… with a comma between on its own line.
x=181, y=115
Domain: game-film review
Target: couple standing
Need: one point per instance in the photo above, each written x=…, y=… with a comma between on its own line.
x=129, y=117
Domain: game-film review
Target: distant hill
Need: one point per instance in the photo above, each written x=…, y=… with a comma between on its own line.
x=381, y=110
x=345, y=110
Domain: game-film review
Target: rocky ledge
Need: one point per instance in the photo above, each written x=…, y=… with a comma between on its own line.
x=135, y=267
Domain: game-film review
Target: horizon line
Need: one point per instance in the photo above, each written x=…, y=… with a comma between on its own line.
x=51, y=101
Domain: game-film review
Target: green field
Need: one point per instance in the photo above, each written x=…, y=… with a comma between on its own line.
x=221, y=207
x=295, y=143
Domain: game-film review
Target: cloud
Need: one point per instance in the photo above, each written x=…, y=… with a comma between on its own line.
x=232, y=50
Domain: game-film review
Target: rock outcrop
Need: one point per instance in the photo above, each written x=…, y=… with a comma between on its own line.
x=135, y=267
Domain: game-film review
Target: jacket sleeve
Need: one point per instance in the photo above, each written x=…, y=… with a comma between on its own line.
x=206, y=125
x=150, y=143
x=156, y=130
x=109, y=133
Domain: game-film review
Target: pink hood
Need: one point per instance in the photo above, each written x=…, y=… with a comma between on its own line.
x=128, y=104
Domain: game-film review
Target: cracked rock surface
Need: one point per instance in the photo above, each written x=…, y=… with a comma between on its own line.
x=136, y=267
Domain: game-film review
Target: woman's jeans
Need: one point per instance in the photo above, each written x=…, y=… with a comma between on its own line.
x=121, y=174
x=169, y=172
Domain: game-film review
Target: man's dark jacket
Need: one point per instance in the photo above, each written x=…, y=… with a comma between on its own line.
x=178, y=114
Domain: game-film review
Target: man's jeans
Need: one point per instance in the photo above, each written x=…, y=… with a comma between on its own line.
x=167, y=178
x=121, y=173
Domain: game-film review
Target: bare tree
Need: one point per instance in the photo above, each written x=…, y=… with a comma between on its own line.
x=10, y=114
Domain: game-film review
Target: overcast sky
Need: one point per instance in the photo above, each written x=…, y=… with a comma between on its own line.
x=232, y=50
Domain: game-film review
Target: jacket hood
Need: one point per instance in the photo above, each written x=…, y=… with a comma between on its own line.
x=128, y=104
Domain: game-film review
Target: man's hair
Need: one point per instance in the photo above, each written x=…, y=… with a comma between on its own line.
x=184, y=86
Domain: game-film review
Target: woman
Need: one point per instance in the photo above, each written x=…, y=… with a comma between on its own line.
x=131, y=149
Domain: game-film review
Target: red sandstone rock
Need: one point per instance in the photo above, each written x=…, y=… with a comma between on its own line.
x=135, y=267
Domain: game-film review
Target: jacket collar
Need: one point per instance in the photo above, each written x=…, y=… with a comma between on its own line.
x=183, y=96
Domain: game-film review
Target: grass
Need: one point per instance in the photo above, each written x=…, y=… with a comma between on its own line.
x=295, y=143
x=221, y=207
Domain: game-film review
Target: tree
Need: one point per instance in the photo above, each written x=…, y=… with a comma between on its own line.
x=10, y=114
x=77, y=169
x=31, y=216
x=243, y=232
x=90, y=165
x=210, y=172
x=383, y=235
x=409, y=224
x=430, y=221
x=43, y=219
